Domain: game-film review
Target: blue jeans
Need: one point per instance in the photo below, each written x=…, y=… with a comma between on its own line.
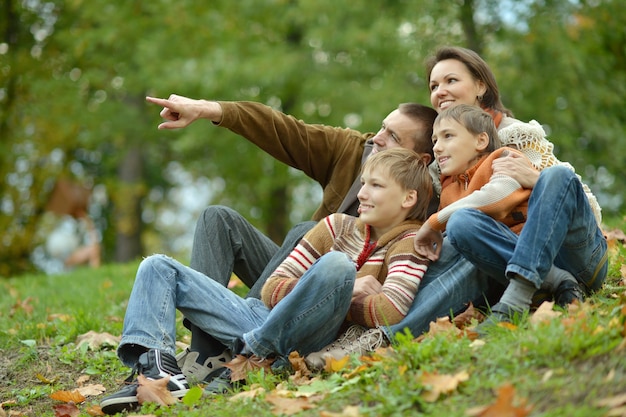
x=448, y=286
x=305, y=320
x=226, y=243
x=561, y=230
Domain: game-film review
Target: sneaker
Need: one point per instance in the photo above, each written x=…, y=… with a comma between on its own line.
x=196, y=372
x=356, y=340
x=567, y=292
x=222, y=383
x=152, y=364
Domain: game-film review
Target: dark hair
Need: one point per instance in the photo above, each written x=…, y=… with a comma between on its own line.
x=475, y=120
x=479, y=70
x=424, y=115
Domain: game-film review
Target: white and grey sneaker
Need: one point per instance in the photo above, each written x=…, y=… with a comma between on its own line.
x=356, y=340
x=197, y=373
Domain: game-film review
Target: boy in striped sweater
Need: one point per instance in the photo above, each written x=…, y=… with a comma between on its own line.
x=345, y=270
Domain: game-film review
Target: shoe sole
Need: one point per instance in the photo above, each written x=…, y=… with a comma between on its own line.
x=130, y=402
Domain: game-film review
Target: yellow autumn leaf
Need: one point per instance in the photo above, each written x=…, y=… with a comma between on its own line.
x=438, y=384
x=68, y=396
x=336, y=365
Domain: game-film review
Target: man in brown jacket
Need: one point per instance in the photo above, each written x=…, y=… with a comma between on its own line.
x=225, y=242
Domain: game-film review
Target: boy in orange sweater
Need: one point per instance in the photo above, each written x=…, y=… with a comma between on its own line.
x=465, y=145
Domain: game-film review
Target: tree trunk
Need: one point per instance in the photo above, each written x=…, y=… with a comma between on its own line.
x=474, y=40
x=127, y=201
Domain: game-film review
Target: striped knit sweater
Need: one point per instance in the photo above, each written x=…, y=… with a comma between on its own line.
x=499, y=196
x=393, y=262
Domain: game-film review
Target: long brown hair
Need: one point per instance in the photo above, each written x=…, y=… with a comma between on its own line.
x=479, y=70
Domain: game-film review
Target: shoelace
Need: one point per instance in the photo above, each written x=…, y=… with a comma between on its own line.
x=369, y=341
x=354, y=332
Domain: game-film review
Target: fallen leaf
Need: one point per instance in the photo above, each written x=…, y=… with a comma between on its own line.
x=615, y=234
x=154, y=391
x=288, y=406
x=465, y=319
x=612, y=402
x=544, y=313
x=68, y=396
x=82, y=379
x=95, y=411
x=91, y=390
x=46, y=380
x=65, y=410
x=96, y=341
x=298, y=364
x=336, y=365
x=249, y=394
x=24, y=306
x=442, y=325
x=437, y=384
x=241, y=365
x=503, y=407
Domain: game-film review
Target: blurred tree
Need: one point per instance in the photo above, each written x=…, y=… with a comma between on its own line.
x=564, y=64
x=74, y=75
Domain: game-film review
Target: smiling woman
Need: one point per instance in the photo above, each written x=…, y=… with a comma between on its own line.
x=556, y=247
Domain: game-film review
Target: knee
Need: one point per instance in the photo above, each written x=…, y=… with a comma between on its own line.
x=336, y=266
x=463, y=224
x=213, y=214
x=157, y=262
x=557, y=174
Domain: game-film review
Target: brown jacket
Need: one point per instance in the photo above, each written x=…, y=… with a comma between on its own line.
x=332, y=156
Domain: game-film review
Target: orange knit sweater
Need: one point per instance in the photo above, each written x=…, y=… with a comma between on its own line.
x=499, y=196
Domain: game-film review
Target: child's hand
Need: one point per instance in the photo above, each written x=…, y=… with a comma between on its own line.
x=428, y=242
x=517, y=167
x=366, y=285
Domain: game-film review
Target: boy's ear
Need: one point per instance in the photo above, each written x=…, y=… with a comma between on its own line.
x=410, y=199
x=482, y=141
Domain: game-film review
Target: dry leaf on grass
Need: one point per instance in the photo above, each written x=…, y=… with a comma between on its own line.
x=438, y=384
x=248, y=394
x=464, y=319
x=68, y=396
x=288, y=406
x=66, y=410
x=96, y=341
x=298, y=364
x=95, y=411
x=91, y=390
x=617, y=402
x=544, y=313
x=505, y=405
x=154, y=391
x=241, y=365
x=335, y=365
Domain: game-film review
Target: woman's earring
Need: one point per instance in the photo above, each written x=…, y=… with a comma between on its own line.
x=479, y=98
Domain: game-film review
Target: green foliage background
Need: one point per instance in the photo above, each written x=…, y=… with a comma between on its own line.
x=74, y=74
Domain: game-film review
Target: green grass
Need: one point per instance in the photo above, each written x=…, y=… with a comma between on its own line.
x=560, y=368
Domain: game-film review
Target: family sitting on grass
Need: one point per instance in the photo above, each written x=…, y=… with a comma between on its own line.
x=519, y=227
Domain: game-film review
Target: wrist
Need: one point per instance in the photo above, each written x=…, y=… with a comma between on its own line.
x=211, y=110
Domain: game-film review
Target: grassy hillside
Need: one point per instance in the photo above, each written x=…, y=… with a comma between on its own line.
x=554, y=363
